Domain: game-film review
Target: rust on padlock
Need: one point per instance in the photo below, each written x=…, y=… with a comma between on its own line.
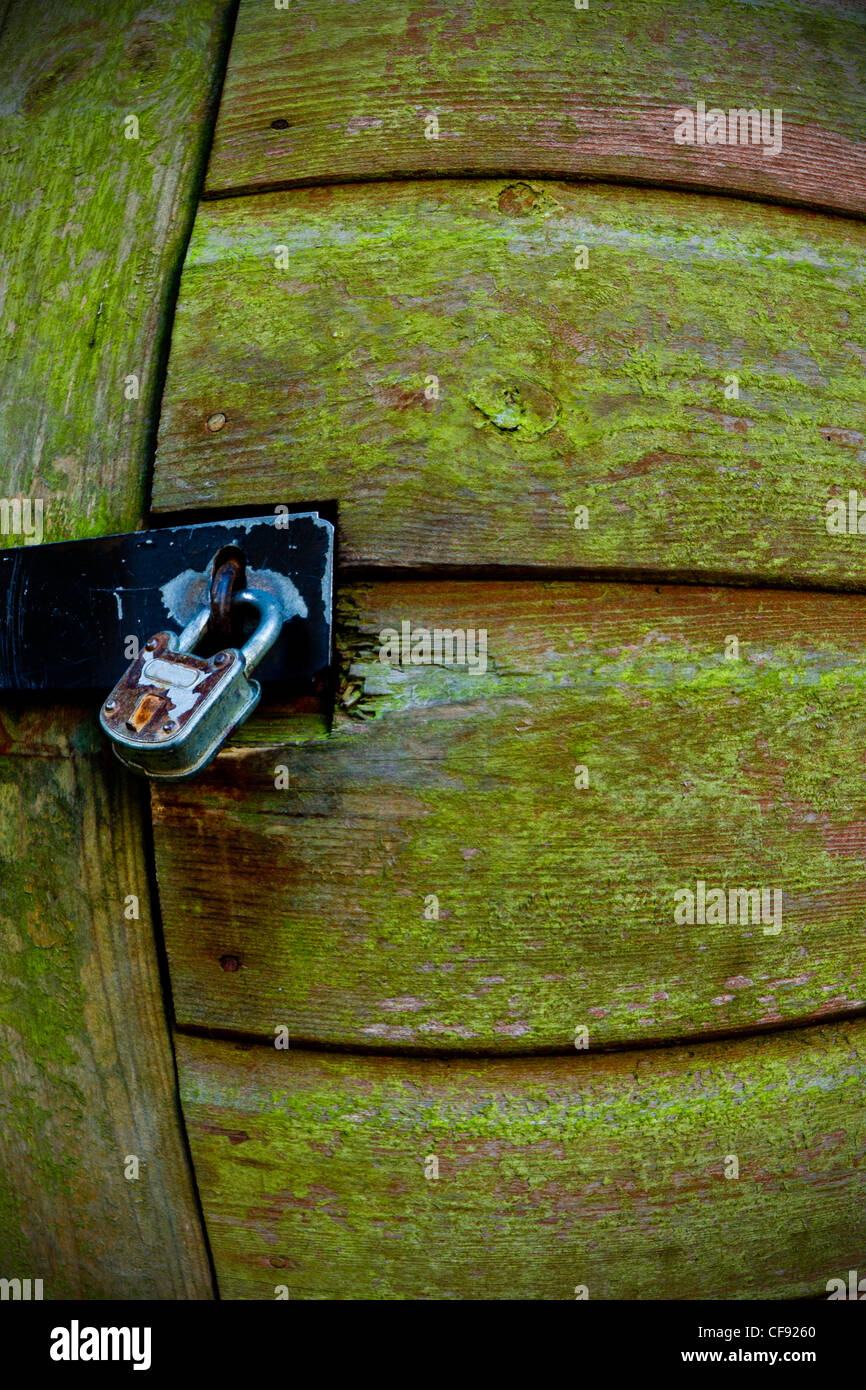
x=164, y=683
x=172, y=711
x=147, y=707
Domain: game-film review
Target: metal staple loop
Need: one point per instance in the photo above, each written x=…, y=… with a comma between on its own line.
x=229, y=578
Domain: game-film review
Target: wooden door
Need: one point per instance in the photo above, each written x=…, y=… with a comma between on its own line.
x=538, y=973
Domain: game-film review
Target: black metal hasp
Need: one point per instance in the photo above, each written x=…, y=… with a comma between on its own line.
x=75, y=613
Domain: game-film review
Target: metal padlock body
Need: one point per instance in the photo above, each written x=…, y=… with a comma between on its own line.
x=171, y=711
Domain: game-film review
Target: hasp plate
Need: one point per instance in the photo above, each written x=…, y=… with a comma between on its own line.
x=70, y=609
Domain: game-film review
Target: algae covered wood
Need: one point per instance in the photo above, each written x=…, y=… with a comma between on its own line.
x=379, y=89
x=96, y=1194
x=488, y=860
x=430, y=356
x=94, y=227
x=731, y=1170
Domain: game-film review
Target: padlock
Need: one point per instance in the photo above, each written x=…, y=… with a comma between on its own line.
x=172, y=711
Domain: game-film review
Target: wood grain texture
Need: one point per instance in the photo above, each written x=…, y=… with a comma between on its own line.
x=557, y=387
x=607, y=1172
x=94, y=229
x=319, y=94
x=556, y=904
x=85, y=1056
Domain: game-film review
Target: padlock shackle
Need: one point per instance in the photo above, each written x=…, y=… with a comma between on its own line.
x=193, y=632
x=271, y=619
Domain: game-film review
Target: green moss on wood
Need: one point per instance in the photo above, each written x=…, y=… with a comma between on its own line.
x=552, y=1173
x=95, y=226
x=557, y=387
x=84, y=1056
x=556, y=905
x=544, y=90
x=94, y=230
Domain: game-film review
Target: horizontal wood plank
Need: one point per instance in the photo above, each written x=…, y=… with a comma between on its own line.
x=613, y=1173
x=301, y=880
x=320, y=94
x=429, y=356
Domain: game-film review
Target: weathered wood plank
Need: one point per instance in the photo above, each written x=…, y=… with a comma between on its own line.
x=557, y=388
x=320, y=94
x=609, y=1172
x=86, y=1062
x=556, y=903
x=94, y=230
